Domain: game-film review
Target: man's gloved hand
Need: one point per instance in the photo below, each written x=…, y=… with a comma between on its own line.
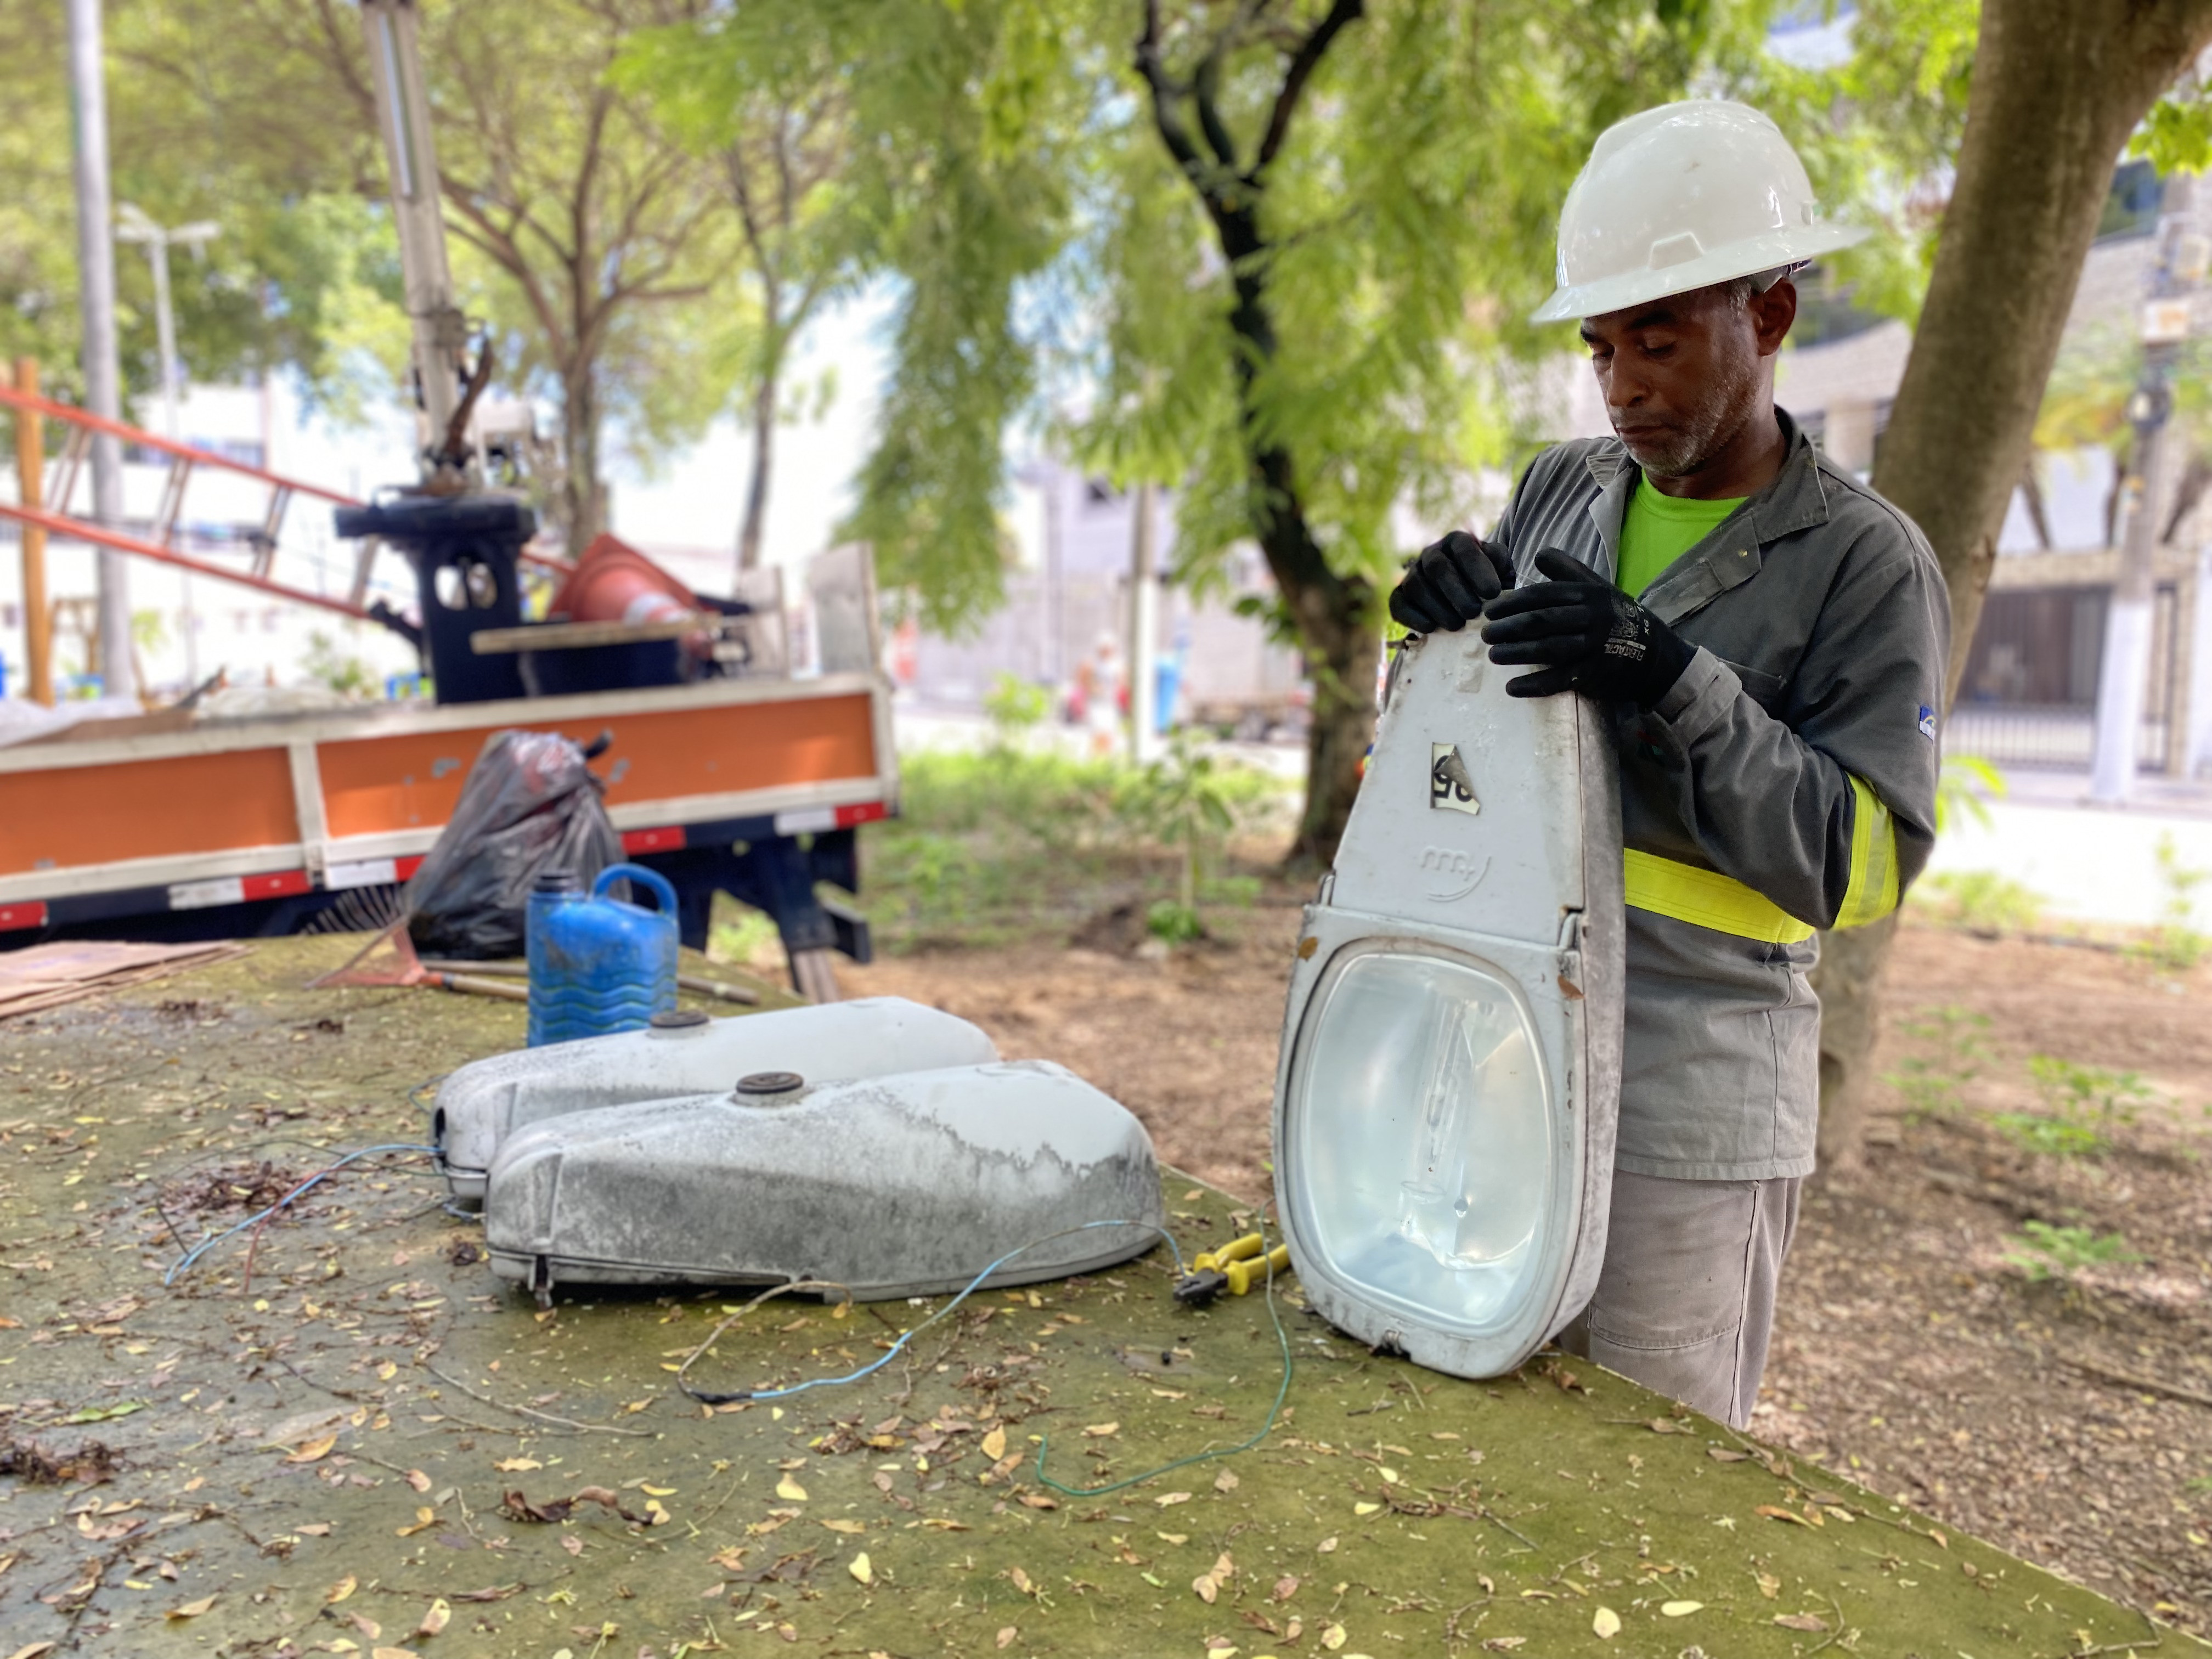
x=1448, y=584
x=1589, y=635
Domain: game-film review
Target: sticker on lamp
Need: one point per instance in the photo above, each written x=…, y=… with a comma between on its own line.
x=1450, y=788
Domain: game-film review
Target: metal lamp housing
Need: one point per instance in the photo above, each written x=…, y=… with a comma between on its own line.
x=1446, y=1097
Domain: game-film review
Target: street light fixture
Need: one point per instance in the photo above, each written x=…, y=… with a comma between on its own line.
x=134, y=224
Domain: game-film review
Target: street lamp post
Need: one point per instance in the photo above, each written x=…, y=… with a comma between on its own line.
x=134, y=225
x=2123, y=676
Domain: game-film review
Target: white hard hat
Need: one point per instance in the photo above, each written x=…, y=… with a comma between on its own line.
x=1680, y=198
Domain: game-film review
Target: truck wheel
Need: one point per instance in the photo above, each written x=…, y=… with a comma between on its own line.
x=814, y=975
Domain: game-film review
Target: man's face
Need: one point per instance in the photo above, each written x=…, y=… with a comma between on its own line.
x=1682, y=375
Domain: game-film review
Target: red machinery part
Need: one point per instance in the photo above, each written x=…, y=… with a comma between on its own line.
x=615, y=582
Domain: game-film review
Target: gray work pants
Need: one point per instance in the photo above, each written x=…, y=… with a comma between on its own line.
x=1684, y=1303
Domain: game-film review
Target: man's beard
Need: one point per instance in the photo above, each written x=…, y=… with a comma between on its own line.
x=1718, y=417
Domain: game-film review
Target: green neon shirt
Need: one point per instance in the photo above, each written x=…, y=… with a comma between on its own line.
x=1661, y=528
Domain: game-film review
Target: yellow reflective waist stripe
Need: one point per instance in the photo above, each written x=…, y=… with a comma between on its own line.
x=1872, y=894
x=1708, y=898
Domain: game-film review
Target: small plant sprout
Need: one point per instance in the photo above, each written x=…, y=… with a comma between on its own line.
x=2085, y=1104
x=1932, y=1082
x=1981, y=902
x=2043, y=1252
x=2175, y=945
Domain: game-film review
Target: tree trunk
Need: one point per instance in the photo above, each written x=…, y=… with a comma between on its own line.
x=751, y=531
x=583, y=492
x=1331, y=612
x=1344, y=652
x=2057, y=87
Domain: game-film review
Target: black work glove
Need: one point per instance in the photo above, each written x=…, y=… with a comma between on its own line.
x=1589, y=635
x=1448, y=584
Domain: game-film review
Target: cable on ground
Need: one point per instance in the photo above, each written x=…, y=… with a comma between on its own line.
x=1044, y=1444
x=184, y=1263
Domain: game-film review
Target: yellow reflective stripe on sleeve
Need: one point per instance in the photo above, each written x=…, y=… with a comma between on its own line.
x=1710, y=899
x=1872, y=893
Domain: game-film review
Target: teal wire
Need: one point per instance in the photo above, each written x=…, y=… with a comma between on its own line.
x=1282, y=1393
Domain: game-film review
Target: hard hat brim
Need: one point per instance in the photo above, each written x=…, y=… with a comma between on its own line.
x=1745, y=258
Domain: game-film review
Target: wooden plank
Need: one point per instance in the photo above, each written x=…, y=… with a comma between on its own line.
x=573, y=636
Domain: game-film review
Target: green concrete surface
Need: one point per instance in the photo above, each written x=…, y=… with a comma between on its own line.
x=319, y=1461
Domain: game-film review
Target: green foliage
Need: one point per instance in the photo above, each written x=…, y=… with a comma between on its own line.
x=2043, y=1252
x=1953, y=1051
x=1187, y=800
x=1966, y=784
x=1173, y=922
x=305, y=273
x=2084, y=1105
x=1878, y=134
x=2177, y=135
x=999, y=842
x=1981, y=902
x=325, y=664
x=2175, y=945
x=1015, y=709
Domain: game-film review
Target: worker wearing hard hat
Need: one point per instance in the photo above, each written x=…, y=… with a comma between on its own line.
x=1769, y=637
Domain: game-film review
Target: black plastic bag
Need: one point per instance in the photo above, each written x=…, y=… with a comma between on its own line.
x=530, y=805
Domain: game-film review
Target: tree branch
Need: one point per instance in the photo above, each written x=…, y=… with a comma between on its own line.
x=1302, y=64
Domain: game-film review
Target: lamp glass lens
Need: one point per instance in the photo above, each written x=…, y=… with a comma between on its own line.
x=1423, y=1137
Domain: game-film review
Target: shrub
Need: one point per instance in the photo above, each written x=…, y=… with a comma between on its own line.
x=1981, y=902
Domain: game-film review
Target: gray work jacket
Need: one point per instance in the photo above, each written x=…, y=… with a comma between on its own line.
x=1822, y=628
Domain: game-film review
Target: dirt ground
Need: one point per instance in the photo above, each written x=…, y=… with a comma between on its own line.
x=2071, y=1422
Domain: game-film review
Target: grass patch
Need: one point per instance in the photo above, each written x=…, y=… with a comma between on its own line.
x=1016, y=839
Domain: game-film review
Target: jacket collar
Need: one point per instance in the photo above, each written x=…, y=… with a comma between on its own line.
x=1735, y=552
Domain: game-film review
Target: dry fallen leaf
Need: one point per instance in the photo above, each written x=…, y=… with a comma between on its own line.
x=994, y=1448
x=1365, y=1508
x=1679, y=1609
x=1207, y=1590
x=1504, y=1643
x=424, y=1518
x=313, y=1450
x=1775, y=1512
x=1021, y=1581
x=573, y=1544
x=34, y=1649
x=1100, y=1430
x=419, y=1481
x=1605, y=1623
x=1332, y=1637
x=393, y=1653
x=1326, y=1547
x=1285, y=1588
x=435, y=1620
x=192, y=1609
x=861, y=1568
x=338, y=1592
x=1804, y=1621
x=790, y=1490
x=1769, y=1586
x=848, y=1527
x=1724, y=1455
x=1006, y=1636
x=517, y=1465
x=1167, y=1499
x=1224, y=1481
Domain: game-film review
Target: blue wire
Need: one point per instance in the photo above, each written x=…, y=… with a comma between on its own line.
x=201, y=1248
x=974, y=1285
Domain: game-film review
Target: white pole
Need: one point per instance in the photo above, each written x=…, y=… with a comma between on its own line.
x=103, y=376
x=156, y=238
x=1143, y=632
x=403, y=115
